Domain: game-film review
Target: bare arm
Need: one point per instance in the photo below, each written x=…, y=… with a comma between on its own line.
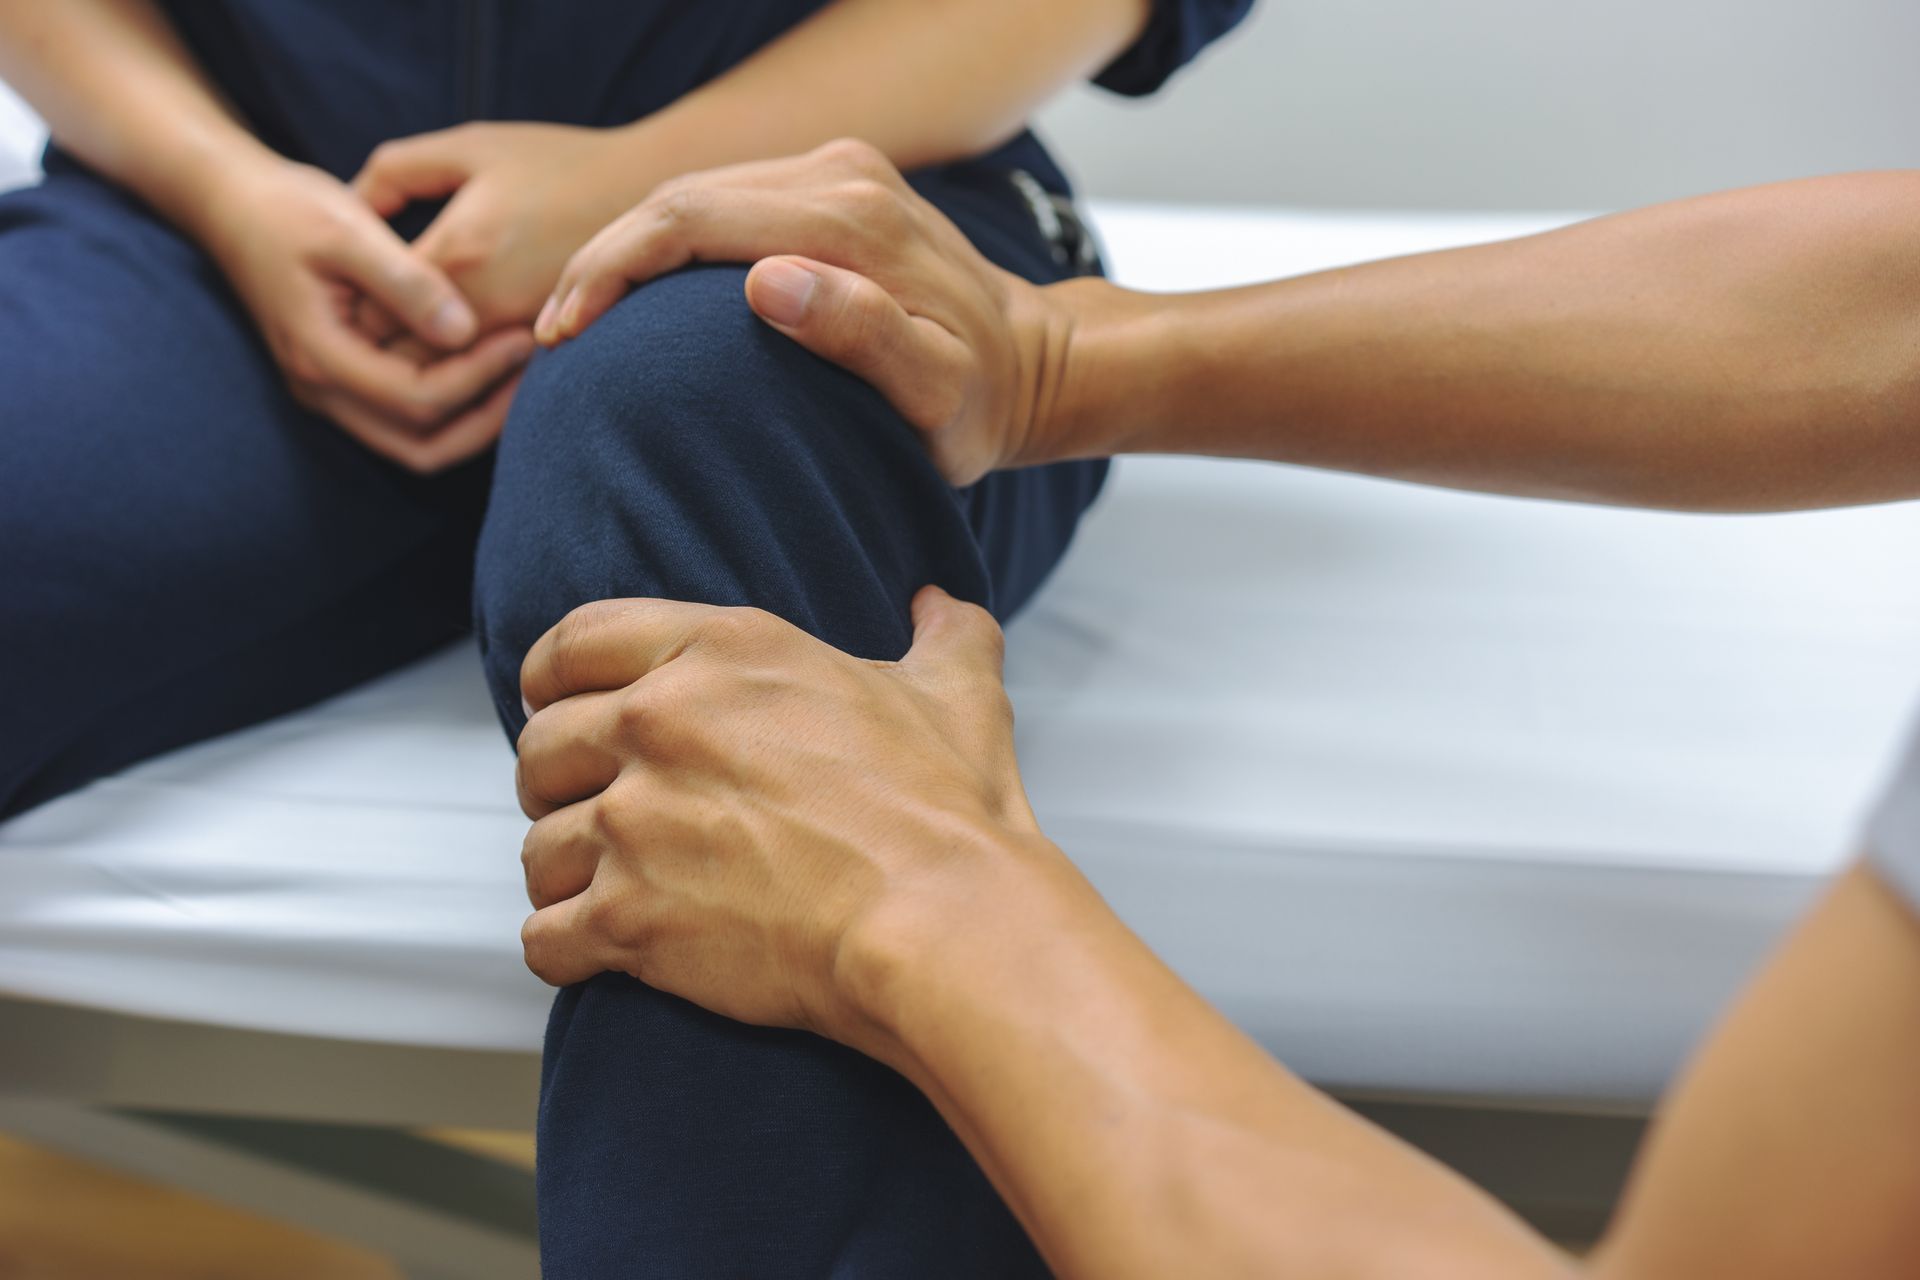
x=1755, y=349
x=926, y=83
x=1132, y=1128
x=118, y=89
x=750, y=819
x=1791, y=1147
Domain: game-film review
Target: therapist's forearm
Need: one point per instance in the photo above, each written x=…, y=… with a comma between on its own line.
x=926, y=83
x=1757, y=349
x=1133, y=1130
x=119, y=90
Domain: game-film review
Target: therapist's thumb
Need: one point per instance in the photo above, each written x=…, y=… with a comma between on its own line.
x=844, y=317
x=953, y=638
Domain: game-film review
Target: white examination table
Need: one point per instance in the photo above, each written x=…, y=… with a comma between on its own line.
x=1470, y=808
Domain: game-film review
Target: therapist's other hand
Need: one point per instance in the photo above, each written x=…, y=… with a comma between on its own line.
x=308, y=258
x=732, y=810
x=868, y=275
x=521, y=198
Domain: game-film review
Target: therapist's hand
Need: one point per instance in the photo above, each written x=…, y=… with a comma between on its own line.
x=868, y=275
x=735, y=812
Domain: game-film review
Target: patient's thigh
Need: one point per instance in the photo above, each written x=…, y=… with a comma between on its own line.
x=184, y=550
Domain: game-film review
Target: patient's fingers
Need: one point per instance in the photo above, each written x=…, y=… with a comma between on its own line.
x=468, y=435
x=400, y=442
x=418, y=293
x=379, y=325
x=425, y=166
x=561, y=853
x=424, y=396
x=569, y=750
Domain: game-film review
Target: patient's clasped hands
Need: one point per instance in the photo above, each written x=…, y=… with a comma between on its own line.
x=415, y=349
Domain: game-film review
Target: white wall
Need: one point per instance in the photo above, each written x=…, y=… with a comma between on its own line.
x=1545, y=104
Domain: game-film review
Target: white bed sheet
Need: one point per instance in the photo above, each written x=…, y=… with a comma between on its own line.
x=21, y=136
x=1435, y=793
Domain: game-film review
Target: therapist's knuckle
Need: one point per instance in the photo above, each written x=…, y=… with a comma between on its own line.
x=670, y=186
x=620, y=817
x=680, y=208
x=571, y=639
x=523, y=791
x=983, y=624
x=866, y=330
x=681, y=703
x=856, y=155
x=636, y=713
x=544, y=953
x=935, y=406
x=536, y=947
x=531, y=739
x=608, y=812
x=870, y=202
x=532, y=866
x=640, y=225
x=603, y=916
x=733, y=630
x=539, y=882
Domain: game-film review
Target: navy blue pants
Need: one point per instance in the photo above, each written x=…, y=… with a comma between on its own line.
x=681, y=448
x=186, y=551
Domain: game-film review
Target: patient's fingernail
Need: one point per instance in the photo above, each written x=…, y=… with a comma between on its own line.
x=782, y=291
x=526, y=706
x=570, y=310
x=542, y=324
x=452, y=323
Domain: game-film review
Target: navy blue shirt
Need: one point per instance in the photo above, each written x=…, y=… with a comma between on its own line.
x=325, y=81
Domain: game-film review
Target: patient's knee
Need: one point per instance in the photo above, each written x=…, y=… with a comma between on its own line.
x=678, y=384
x=679, y=447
